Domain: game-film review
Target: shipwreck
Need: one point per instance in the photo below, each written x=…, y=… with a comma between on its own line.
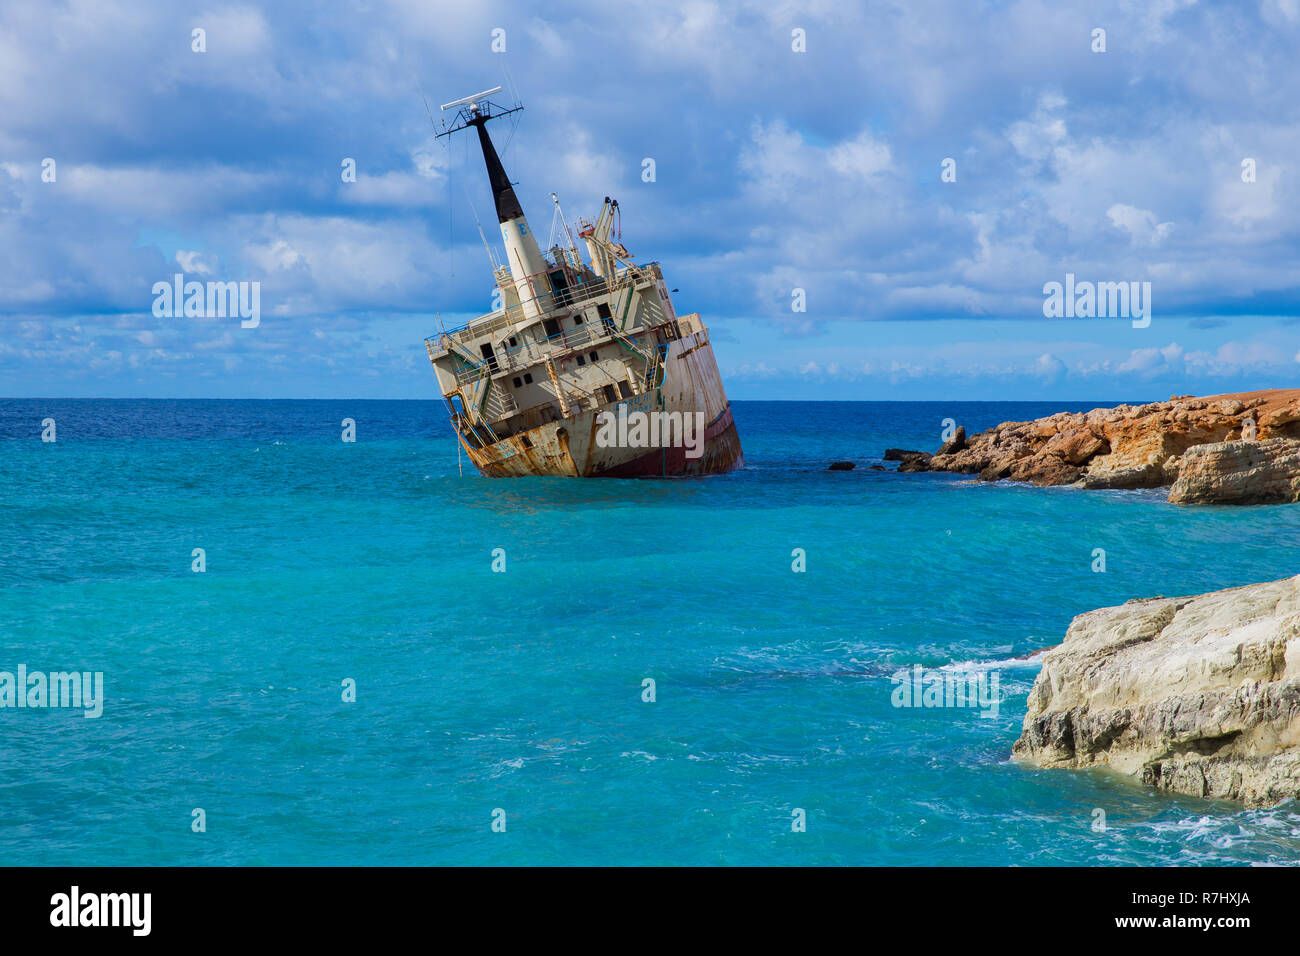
x=586, y=369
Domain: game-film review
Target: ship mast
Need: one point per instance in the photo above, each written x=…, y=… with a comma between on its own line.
x=523, y=257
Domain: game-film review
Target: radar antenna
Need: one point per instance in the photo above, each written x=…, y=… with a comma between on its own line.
x=474, y=110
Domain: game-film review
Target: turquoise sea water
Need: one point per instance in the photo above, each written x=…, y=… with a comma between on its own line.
x=522, y=690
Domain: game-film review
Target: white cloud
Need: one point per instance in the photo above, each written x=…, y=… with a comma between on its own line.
x=237, y=31
x=390, y=189
x=193, y=262
x=1142, y=225
x=863, y=157
x=1248, y=204
x=1049, y=367
x=1037, y=137
x=1150, y=362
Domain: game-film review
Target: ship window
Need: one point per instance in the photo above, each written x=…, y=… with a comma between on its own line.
x=513, y=343
x=624, y=390
x=581, y=360
x=518, y=382
x=528, y=378
x=609, y=394
x=526, y=441
x=595, y=356
x=552, y=327
x=577, y=319
x=602, y=310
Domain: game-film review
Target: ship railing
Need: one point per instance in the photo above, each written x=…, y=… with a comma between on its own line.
x=512, y=315
x=529, y=354
x=628, y=342
x=499, y=404
x=483, y=434
x=507, y=318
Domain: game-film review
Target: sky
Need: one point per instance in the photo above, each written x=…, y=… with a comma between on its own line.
x=798, y=199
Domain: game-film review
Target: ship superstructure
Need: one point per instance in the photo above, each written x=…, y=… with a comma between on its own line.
x=586, y=370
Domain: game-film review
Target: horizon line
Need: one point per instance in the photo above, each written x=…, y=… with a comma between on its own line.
x=786, y=401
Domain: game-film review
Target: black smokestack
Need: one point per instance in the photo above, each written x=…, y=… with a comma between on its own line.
x=503, y=194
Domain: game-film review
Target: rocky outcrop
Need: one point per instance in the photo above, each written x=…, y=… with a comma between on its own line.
x=841, y=466
x=956, y=443
x=1241, y=472
x=1141, y=446
x=1198, y=695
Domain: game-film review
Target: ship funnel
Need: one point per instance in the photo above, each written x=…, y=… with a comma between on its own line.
x=527, y=270
x=503, y=193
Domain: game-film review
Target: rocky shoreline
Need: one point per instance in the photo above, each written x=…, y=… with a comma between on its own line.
x=1225, y=449
x=1197, y=695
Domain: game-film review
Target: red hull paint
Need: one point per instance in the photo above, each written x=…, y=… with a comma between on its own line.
x=721, y=454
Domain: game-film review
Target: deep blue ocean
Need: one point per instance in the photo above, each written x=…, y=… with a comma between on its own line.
x=522, y=691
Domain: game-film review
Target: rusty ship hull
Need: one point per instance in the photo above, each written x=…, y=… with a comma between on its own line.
x=570, y=448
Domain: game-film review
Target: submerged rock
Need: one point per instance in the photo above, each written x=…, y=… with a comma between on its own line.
x=1197, y=695
x=841, y=466
x=898, y=454
x=917, y=462
x=909, y=460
